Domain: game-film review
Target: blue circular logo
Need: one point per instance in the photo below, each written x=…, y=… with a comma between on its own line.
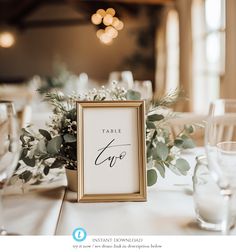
x=79, y=234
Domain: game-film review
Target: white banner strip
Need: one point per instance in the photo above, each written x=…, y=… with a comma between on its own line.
x=117, y=243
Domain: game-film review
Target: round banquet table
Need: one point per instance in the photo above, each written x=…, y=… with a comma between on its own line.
x=51, y=209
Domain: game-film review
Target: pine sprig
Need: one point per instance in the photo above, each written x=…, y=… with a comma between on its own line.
x=169, y=99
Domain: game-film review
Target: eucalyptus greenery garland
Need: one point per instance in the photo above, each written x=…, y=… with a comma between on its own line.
x=55, y=146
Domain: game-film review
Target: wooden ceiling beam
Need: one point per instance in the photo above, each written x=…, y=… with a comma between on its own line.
x=51, y=23
x=154, y=2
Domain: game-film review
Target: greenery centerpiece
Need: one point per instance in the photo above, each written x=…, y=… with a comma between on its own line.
x=55, y=146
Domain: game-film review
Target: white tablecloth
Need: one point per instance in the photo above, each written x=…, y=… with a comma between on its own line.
x=168, y=211
x=33, y=213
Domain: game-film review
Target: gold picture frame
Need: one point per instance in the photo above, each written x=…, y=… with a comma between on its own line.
x=122, y=176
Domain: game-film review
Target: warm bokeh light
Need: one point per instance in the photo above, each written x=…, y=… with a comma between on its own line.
x=112, y=25
x=96, y=19
x=108, y=19
x=106, y=39
x=6, y=39
x=100, y=32
x=115, y=22
x=120, y=26
x=101, y=12
x=111, y=31
x=111, y=11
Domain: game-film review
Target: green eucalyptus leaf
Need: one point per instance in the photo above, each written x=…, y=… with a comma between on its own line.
x=33, y=151
x=37, y=182
x=174, y=169
x=26, y=138
x=46, y=170
x=178, y=142
x=23, y=142
x=161, y=151
x=69, y=138
x=154, y=135
x=182, y=165
x=161, y=168
x=45, y=133
x=150, y=125
x=54, y=145
x=25, y=132
x=18, y=166
x=57, y=164
x=23, y=154
x=149, y=150
x=151, y=177
x=133, y=95
x=44, y=156
x=187, y=142
x=29, y=161
x=189, y=129
x=41, y=147
x=155, y=117
x=26, y=175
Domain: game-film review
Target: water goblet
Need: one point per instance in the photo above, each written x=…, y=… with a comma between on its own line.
x=220, y=143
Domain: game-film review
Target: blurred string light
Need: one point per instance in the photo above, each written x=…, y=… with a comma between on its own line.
x=7, y=39
x=112, y=25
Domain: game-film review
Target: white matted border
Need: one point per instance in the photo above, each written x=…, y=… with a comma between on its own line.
x=108, y=126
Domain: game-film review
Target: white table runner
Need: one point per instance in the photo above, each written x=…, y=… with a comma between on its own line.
x=168, y=211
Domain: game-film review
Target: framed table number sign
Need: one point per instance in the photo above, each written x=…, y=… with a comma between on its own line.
x=111, y=151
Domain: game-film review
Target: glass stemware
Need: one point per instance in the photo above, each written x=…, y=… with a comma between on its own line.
x=124, y=79
x=9, y=149
x=145, y=89
x=220, y=142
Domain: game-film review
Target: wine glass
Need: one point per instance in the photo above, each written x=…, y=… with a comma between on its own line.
x=220, y=142
x=9, y=149
x=124, y=79
x=145, y=89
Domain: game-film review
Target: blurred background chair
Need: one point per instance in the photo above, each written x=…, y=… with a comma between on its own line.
x=25, y=115
x=225, y=128
x=22, y=96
